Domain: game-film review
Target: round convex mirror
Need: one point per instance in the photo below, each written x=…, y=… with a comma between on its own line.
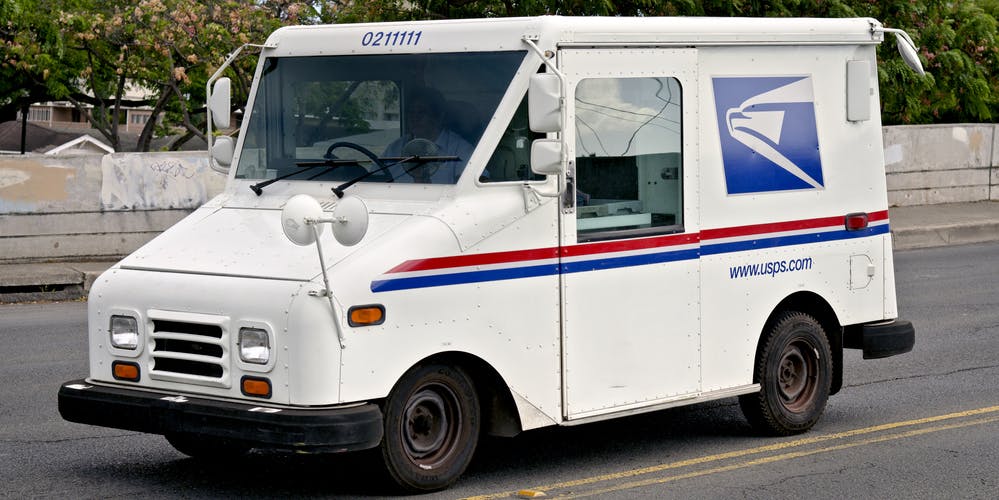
x=297, y=210
x=350, y=221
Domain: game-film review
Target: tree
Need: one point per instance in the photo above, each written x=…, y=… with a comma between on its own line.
x=35, y=64
x=170, y=47
x=89, y=51
x=957, y=38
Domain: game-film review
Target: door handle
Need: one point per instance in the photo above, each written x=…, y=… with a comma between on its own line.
x=569, y=195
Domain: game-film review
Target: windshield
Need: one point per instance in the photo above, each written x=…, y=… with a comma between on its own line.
x=411, y=117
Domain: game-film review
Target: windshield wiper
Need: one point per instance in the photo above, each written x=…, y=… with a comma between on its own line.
x=398, y=160
x=305, y=167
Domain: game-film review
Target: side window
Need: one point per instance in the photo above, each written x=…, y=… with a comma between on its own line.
x=629, y=153
x=511, y=161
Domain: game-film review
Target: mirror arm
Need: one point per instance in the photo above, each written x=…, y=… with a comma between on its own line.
x=906, y=47
x=215, y=76
x=546, y=59
x=328, y=292
x=896, y=31
x=560, y=185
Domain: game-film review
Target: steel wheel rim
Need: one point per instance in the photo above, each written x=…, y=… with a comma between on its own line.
x=797, y=373
x=430, y=424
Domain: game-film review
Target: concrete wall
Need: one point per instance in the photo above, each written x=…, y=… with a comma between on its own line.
x=94, y=207
x=931, y=164
x=91, y=207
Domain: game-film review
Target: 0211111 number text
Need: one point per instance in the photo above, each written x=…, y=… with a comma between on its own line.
x=390, y=38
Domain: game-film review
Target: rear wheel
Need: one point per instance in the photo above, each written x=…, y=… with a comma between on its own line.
x=794, y=370
x=432, y=427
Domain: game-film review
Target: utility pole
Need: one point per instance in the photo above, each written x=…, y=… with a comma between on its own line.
x=24, y=125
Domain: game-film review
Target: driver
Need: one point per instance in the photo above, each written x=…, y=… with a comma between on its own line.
x=425, y=135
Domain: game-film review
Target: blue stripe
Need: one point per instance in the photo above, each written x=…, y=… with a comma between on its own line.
x=798, y=239
x=463, y=278
x=628, y=261
x=583, y=266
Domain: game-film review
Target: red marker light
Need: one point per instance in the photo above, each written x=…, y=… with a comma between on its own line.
x=856, y=221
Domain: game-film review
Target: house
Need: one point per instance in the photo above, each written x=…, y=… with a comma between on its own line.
x=40, y=139
x=63, y=114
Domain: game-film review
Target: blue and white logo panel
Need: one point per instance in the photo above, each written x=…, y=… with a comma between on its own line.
x=769, y=141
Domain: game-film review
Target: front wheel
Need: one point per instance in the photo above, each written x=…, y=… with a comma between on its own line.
x=794, y=370
x=432, y=427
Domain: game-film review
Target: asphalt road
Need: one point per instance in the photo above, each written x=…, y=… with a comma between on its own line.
x=921, y=425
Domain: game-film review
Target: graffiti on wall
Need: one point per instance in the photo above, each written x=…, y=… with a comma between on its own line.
x=157, y=181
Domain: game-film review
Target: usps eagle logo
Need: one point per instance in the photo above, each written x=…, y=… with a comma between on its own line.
x=769, y=141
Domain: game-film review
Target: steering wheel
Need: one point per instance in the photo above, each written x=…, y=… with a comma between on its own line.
x=422, y=147
x=356, y=147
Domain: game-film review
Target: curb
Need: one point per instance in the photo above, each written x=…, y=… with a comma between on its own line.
x=919, y=229
x=953, y=234
x=48, y=282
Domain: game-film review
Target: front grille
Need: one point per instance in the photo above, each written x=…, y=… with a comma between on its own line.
x=189, y=347
x=190, y=352
x=189, y=367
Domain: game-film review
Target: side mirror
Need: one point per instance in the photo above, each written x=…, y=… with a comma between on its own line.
x=544, y=103
x=299, y=214
x=907, y=49
x=302, y=212
x=546, y=156
x=223, y=148
x=220, y=102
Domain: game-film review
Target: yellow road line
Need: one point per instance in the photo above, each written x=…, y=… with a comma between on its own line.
x=778, y=458
x=746, y=452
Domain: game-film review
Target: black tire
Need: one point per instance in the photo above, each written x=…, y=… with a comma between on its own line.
x=432, y=426
x=794, y=370
x=206, y=447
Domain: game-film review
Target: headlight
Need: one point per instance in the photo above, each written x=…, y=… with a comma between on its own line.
x=254, y=346
x=124, y=332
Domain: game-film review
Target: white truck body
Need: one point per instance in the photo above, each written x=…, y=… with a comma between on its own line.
x=720, y=173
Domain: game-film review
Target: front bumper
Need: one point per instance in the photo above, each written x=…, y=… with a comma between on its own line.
x=881, y=340
x=324, y=429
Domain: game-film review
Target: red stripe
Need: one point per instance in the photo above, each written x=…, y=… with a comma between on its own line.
x=635, y=244
x=876, y=216
x=780, y=227
x=771, y=227
x=621, y=246
x=475, y=260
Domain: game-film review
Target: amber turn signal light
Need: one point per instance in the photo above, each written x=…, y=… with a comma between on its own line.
x=366, y=315
x=256, y=387
x=125, y=371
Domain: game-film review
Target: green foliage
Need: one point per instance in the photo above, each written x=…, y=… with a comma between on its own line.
x=958, y=48
x=35, y=64
x=86, y=51
x=169, y=47
x=92, y=52
x=957, y=40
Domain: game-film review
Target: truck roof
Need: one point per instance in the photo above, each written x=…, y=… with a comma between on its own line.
x=506, y=33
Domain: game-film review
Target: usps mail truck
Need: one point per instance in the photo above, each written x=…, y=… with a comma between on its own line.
x=433, y=231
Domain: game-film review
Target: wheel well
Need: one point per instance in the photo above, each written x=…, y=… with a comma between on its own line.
x=499, y=411
x=815, y=305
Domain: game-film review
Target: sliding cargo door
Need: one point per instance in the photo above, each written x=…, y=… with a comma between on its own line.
x=630, y=269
